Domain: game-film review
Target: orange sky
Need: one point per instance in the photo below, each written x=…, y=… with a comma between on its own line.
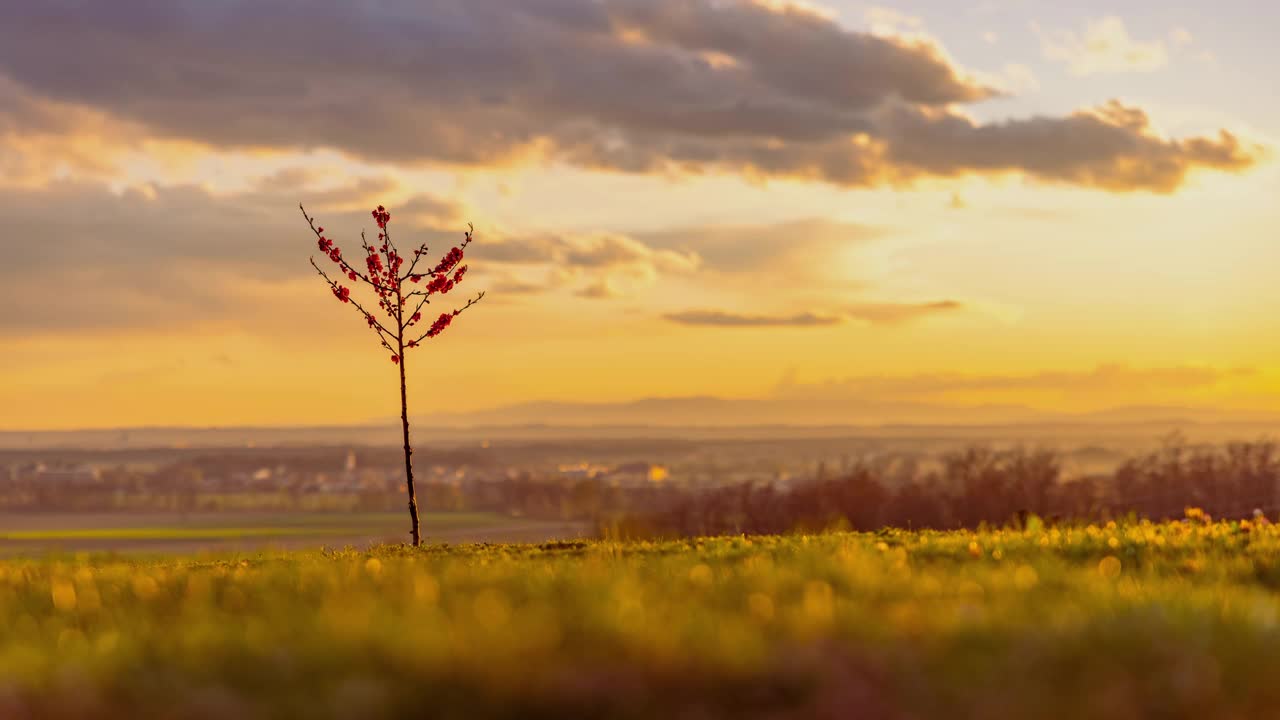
x=1071, y=220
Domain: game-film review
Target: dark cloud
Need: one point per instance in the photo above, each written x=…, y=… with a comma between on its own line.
x=85, y=257
x=631, y=85
x=1111, y=147
x=81, y=256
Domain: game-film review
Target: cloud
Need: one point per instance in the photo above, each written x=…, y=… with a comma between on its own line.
x=613, y=263
x=898, y=313
x=608, y=250
x=887, y=21
x=89, y=258
x=41, y=139
x=599, y=290
x=1018, y=78
x=798, y=249
x=806, y=252
x=600, y=250
x=513, y=286
x=85, y=257
x=1101, y=379
x=760, y=89
x=1105, y=47
x=716, y=318
x=1181, y=37
x=871, y=313
x=1111, y=147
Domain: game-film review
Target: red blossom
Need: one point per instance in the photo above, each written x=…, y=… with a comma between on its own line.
x=352, y=275
x=440, y=324
x=395, y=359
x=451, y=258
x=440, y=284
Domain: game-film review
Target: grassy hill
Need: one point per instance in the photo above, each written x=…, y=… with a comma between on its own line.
x=1174, y=620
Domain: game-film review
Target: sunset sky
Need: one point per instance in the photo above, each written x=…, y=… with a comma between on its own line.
x=1065, y=206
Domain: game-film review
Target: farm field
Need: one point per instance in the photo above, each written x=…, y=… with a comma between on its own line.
x=29, y=533
x=1173, y=620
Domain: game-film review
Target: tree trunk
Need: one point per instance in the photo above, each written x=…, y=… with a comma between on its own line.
x=408, y=450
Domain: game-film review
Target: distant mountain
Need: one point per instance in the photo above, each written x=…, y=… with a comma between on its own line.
x=699, y=417
x=708, y=411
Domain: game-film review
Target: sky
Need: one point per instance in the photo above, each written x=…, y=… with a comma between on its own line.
x=927, y=205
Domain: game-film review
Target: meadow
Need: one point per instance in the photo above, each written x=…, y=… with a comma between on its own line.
x=170, y=532
x=1171, y=620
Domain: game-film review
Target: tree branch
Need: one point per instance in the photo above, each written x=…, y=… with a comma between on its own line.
x=418, y=256
x=456, y=313
x=423, y=301
x=341, y=260
x=368, y=315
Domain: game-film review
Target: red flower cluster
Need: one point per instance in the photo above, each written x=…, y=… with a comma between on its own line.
x=447, y=263
x=440, y=324
x=440, y=284
x=384, y=267
x=329, y=248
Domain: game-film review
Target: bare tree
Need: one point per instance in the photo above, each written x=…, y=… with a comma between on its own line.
x=384, y=272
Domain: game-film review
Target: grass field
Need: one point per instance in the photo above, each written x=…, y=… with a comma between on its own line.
x=1171, y=621
x=28, y=533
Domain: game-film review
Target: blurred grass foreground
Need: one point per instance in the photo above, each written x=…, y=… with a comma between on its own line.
x=1174, y=620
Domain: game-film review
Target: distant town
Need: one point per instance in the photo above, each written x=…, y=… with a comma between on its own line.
x=554, y=479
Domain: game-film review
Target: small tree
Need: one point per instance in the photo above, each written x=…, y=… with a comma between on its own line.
x=384, y=272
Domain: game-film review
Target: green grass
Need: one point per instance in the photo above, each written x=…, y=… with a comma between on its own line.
x=1170, y=621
